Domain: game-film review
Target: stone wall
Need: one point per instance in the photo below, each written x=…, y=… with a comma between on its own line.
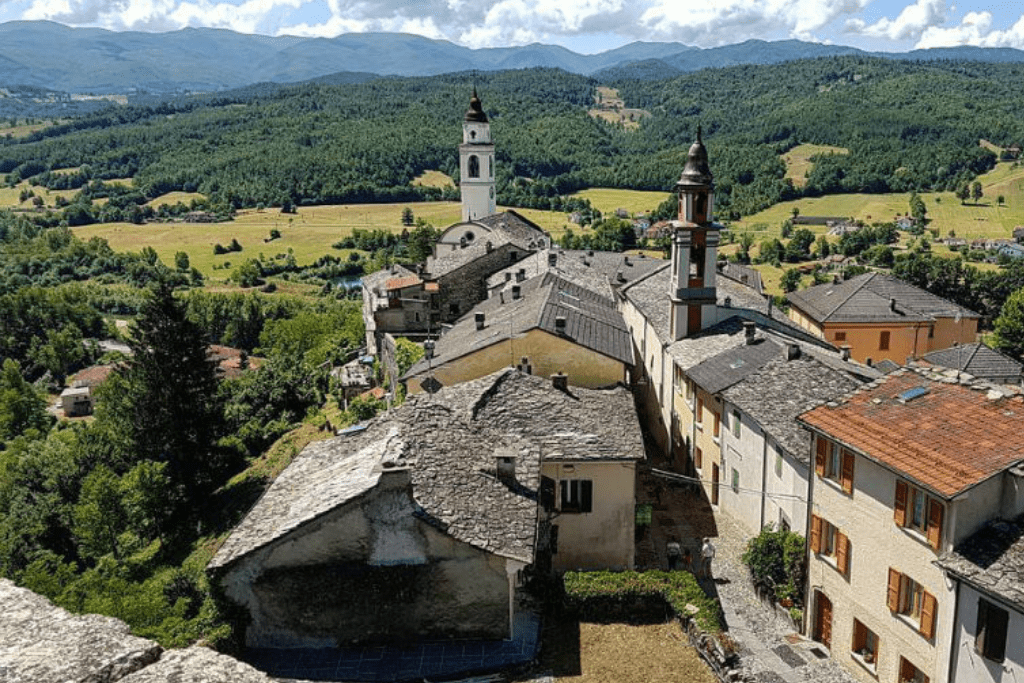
x=465, y=287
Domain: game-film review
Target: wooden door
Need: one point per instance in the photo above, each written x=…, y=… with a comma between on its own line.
x=822, y=619
x=714, y=483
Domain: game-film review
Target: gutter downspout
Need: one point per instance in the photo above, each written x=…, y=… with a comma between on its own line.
x=954, y=655
x=807, y=526
x=764, y=474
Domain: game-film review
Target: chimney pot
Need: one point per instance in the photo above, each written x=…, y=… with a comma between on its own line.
x=892, y=304
x=552, y=259
x=750, y=330
x=480, y=318
x=560, y=324
x=792, y=351
x=516, y=291
x=560, y=381
x=728, y=302
x=490, y=247
x=521, y=275
x=844, y=352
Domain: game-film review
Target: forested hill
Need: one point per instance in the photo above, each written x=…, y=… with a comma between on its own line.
x=906, y=125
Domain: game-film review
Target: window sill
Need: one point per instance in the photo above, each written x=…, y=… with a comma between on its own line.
x=917, y=536
x=910, y=621
x=871, y=668
x=835, y=484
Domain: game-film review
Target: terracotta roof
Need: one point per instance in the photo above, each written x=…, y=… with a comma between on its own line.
x=93, y=376
x=948, y=438
x=401, y=282
x=377, y=393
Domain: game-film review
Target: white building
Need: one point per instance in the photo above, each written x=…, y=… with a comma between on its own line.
x=476, y=164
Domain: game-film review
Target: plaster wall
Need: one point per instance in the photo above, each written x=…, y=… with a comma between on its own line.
x=711, y=451
x=949, y=332
x=865, y=341
x=805, y=322
x=786, y=489
x=745, y=454
x=655, y=394
x=972, y=667
x=547, y=353
x=603, y=538
x=369, y=571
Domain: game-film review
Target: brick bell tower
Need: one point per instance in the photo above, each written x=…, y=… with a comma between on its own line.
x=476, y=164
x=694, y=247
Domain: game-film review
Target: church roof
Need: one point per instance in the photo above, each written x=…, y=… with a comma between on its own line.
x=696, y=173
x=475, y=114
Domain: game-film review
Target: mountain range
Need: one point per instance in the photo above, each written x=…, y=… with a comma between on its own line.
x=81, y=60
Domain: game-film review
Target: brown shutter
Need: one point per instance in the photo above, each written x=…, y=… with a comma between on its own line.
x=847, y=478
x=819, y=457
x=935, y=514
x=894, y=590
x=842, y=553
x=815, y=533
x=928, y=610
x=899, y=508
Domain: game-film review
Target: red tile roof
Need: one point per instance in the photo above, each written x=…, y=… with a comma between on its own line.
x=947, y=440
x=94, y=376
x=402, y=282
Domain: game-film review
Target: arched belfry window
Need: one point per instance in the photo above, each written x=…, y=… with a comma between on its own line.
x=490, y=167
x=472, y=135
x=701, y=210
x=474, y=167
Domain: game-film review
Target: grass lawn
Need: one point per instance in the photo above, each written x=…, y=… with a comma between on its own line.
x=798, y=160
x=606, y=200
x=433, y=179
x=24, y=129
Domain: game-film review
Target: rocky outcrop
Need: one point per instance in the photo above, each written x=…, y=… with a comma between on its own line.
x=198, y=665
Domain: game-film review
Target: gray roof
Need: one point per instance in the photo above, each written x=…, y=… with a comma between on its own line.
x=504, y=228
x=885, y=366
x=993, y=560
x=866, y=298
x=601, y=271
x=751, y=277
x=592, y=321
x=521, y=230
x=780, y=390
x=977, y=359
x=732, y=365
x=449, y=441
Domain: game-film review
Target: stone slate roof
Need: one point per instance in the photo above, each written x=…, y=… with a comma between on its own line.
x=977, y=359
x=601, y=271
x=992, y=560
x=449, y=441
x=592, y=321
x=42, y=643
x=520, y=230
x=866, y=298
x=885, y=366
x=780, y=390
x=725, y=369
x=507, y=227
x=745, y=275
x=953, y=436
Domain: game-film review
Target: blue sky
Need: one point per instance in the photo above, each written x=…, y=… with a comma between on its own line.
x=585, y=26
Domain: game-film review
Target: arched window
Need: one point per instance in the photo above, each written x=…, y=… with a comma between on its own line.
x=472, y=135
x=474, y=167
x=490, y=167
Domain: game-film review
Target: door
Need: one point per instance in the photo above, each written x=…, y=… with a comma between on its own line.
x=714, y=483
x=822, y=619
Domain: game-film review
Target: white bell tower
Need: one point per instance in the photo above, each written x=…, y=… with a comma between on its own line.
x=476, y=164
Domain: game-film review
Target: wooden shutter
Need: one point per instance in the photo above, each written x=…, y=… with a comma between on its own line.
x=899, y=508
x=990, y=634
x=842, y=553
x=847, y=478
x=928, y=610
x=586, y=495
x=815, y=533
x=820, y=456
x=893, y=599
x=935, y=515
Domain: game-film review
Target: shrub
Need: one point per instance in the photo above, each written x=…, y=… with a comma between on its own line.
x=777, y=564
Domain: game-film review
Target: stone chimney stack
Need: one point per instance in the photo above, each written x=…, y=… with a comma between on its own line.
x=844, y=351
x=792, y=351
x=892, y=304
x=552, y=259
x=560, y=381
x=749, y=331
x=480, y=319
x=516, y=292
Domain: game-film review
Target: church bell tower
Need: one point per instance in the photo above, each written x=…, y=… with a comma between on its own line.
x=694, y=247
x=476, y=164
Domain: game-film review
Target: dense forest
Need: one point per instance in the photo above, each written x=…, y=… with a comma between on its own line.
x=907, y=125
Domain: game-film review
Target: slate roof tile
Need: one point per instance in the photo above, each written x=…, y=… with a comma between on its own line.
x=978, y=360
x=992, y=559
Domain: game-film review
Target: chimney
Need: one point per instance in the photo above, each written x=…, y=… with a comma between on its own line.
x=552, y=259
x=560, y=325
x=462, y=242
x=560, y=381
x=792, y=351
x=505, y=466
x=521, y=275
x=728, y=302
x=892, y=304
x=844, y=352
x=836, y=279
x=428, y=349
x=590, y=252
x=868, y=362
x=490, y=247
x=516, y=291
x=625, y=259
x=479, y=317
x=750, y=330
x=771, y=303
x=524, y=366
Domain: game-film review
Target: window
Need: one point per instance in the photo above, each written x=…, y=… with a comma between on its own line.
x=577, y=495
x=865, y=645
x=698, y=458
x=689, y=393
x=735, y=481
x=990, y=634
x=828, y=541
x=908, y=598
x=717, y=425
x=736, y=423
x=834, y=462
x=840, y=336
x=883, y=340
x=914, y=508
x=474, y=166
x=778, y=463
x=698, y=414
x=910, y=673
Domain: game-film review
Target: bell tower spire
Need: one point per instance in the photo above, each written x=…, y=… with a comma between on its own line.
x=694, y=247
x=476, y=163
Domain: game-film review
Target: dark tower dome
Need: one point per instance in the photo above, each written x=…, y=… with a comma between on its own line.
x=696, y=172
x=476, y=112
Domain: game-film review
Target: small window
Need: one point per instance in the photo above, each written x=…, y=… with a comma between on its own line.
x=698, y=457
x=834, y=462
x=910, y=673
x=828, y=541
x=990, y=634
x=577, y=495
x=474, y=166
x=883, y=341
x=840, y=336
x=698, y=414
x=914, y=508
x=735, y=480
x=865, y=644
x=909, y=599
x=778, y=463
x=736, y=423
x=716, y=425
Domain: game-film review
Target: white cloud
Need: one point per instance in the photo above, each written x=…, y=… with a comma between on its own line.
x=909, y=24
x=974, y=29
x=159, y=15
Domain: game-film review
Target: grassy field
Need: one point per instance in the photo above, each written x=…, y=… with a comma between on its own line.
x=172, y=198
x=433, y=179
x=607, y=200
x=21, y=130
x=798, y=160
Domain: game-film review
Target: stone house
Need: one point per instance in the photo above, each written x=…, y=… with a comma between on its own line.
x=603, y=272
x=989, y=590
x=906, y=469
x=423, y=522
x=1018, y=234
x=76, y=401
x=882, y=317
x=397, y=301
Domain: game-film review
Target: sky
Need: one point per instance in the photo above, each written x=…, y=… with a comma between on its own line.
x=584, y=26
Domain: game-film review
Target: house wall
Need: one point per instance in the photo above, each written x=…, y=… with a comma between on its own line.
x=467, y=286
x=972, y=667
x=805, y=322
x=656, y=392
x=745, y=454
x=949, y=332
x=711, y=452
x=370, y=572
x=786, y=489
x=547, y=353
x=603, y=538
x=904, y=341
x=876, y=544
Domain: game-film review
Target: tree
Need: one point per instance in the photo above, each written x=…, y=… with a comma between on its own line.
x=824, y=248
x=407, y=217
x=790, y=280
x=21, y=406
x=275, y=234
x=421, y=242
x=963, y=192
x=1001, y=200
x=918, y=209
x=181, y=262
x=1009, y=326
x=976, y=191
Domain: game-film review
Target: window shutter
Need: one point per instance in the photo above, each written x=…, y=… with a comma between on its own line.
x=547, y=493
x=815, y=533
x=847, y=478
x=899, y=508
x=586, y=495
x=820, y=455
x=928, y=609
x=981, y=628
x=893, y=599
x=935, y=514
x=998, y=619
x=842, y=553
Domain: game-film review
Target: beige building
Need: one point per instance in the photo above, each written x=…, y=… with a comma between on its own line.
x=905, y=470
x=882, y=318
